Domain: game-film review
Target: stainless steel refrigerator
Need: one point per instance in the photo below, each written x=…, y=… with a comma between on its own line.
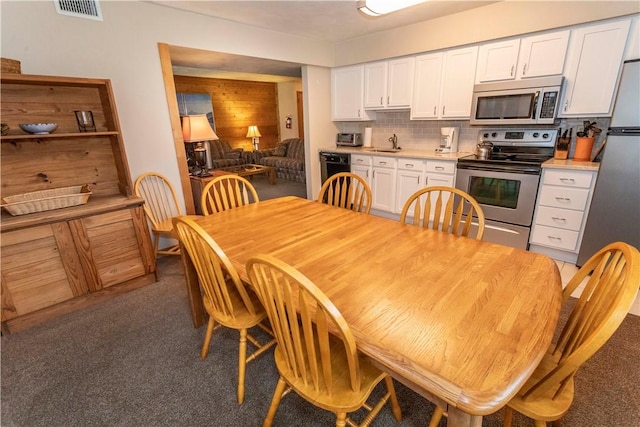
x=615, y=207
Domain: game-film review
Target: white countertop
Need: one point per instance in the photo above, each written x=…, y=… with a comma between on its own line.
x=413, y=153
x=571, y=164
x=431, y=154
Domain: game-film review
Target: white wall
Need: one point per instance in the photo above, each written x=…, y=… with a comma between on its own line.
x=123, y=48
x=495, y=21
x=288, y=106
x=320, y=131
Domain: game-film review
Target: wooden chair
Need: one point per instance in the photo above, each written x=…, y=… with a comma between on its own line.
x=227, y=192
x=603, y=305
x=346, y=190
x=226, y=299
x=443, y=208
x=325, y=369
x=161, y=206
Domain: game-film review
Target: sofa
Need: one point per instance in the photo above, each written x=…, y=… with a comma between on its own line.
x=287, y=158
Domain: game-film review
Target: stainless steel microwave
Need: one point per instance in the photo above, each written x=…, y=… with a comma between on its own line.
x=517, y=102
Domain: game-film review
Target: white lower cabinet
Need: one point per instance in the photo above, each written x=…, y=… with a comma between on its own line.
x=361, y=166
x=410, y=178
x=383, y=183
x=414, y=174
x=561, y=212
x=394, y=179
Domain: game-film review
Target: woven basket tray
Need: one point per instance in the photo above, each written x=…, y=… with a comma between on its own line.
x=46, y=200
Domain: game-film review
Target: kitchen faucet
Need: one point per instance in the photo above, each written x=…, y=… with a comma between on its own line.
x=394, y=141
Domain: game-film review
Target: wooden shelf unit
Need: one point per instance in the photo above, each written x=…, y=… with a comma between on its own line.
x=63, y=259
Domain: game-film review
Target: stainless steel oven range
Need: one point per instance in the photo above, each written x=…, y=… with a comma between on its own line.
x=505, y=183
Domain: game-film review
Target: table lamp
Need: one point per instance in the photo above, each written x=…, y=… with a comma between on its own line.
x=254, y=134
x=197, y=129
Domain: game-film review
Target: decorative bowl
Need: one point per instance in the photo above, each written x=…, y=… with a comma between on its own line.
x=38, y=128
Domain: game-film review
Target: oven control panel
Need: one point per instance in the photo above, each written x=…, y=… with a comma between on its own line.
x=519, y=137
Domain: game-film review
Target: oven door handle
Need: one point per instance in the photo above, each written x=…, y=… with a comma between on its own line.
x=531, y=170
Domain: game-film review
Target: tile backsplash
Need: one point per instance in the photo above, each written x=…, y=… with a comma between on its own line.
x=425, y=134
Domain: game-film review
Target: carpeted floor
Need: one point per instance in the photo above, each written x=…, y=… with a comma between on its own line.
x=282, y=187
x=134, y=361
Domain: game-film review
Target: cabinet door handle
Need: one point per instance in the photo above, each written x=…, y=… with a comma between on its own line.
x=408, y=165
x=418, y=179
x=367, y=173
x=387, y=100
x=563, y=199
x=443, y=109
x=559, y=219
x=380, y=100
x=439, y=168
x=511, y=72
x=524, y=69
x=435, y=110
x=566, y=105
x=358, y=112
x=567, y=180
x=382, y=163
x=554, y=238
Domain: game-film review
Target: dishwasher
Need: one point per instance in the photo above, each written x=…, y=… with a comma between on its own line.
x=332, y=163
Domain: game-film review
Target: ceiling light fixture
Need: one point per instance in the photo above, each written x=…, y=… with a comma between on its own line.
x=381, y=7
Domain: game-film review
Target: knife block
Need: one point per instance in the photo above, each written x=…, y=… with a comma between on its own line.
x=562, y=148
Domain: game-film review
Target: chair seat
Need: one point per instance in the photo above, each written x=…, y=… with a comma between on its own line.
x=241, y=317
x=344, y=398
x=545, y=408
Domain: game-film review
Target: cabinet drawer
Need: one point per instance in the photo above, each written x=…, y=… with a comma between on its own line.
x=411, y=164
x=575, y=179
x=441, y=167
x=384, y=162
x=561, y=197
x=442, y=180
x=357, y=159
x=560, y=218
x=554, y=237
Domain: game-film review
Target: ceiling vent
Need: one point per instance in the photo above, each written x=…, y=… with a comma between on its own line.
x=89, y=9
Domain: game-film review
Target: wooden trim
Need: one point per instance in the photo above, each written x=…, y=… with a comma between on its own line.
x=176, y=126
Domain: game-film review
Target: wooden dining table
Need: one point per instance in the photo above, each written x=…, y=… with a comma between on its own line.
x=462, y=322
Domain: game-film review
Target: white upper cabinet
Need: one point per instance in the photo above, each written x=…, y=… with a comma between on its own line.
x=426, y=86
x=388, y=84
x=347, y=88
x=535, y=56
x=457, y=82
x=375, y=84
x=594, y=60
x=542, y=55
x=497, y=61
x=443, y=84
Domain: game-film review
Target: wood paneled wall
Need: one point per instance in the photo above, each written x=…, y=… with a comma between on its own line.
x=237, y=104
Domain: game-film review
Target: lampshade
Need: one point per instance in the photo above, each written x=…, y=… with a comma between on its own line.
x=197, y=128
x=253, y=132
x=380, y=7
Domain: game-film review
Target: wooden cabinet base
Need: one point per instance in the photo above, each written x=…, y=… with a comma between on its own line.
x=78, y=303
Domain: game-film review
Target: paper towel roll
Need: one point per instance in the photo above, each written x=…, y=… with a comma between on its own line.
x=367, y=137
